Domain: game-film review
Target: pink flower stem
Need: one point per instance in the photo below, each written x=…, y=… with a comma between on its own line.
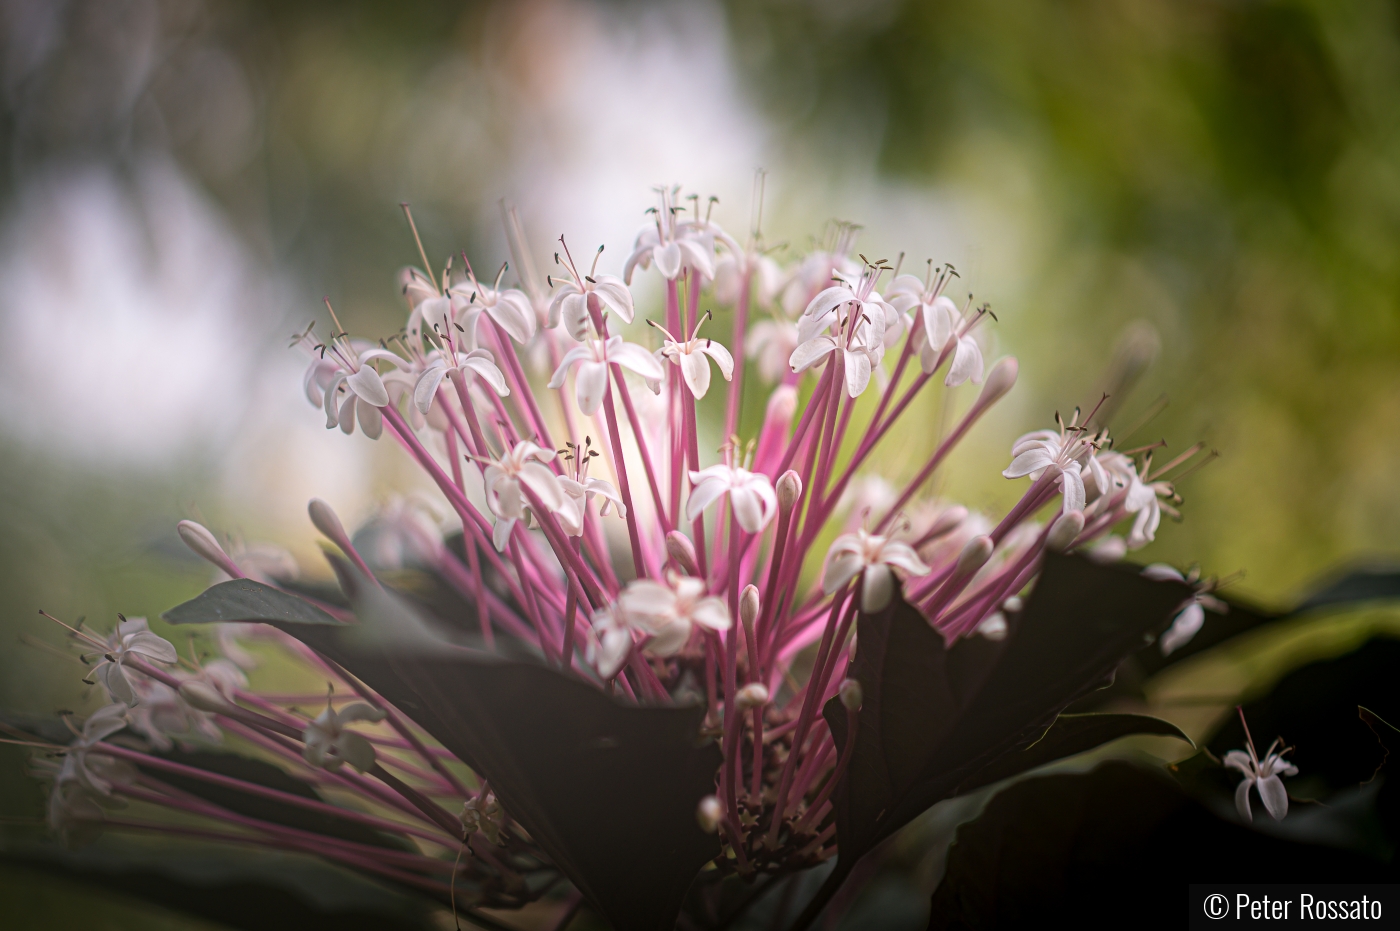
x=814, y=810
x=532, y=608
x=253, y=788
x=639, y=436
x=805, y=719
x=815, y=410
x=1035, y=498
x=733, y=723
x=521, y=385
x=815, y=760
x=736, y=384
x=469, y=583
x=692, y=447
x=570, y=609
x=673, y=395
x=450, y=438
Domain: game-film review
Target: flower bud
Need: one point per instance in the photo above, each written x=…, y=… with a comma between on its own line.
x=748, y=606
x=1065, y=531
x=198, y=538
x=328, y=523
x=680, y=549
x=753, y=695
x=782, y=404
x=1000, y=380
x=202, y=696
x=852, y=695
x=946, y=522
x=1014, y=604
x=789, y=489
x=974, y=556
x=993, y=627
x=708, y=814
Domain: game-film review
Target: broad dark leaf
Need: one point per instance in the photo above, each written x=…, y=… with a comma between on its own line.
x=234, y=887
x=1357, y=586
x=1106, y=843
x=246, y=600
x=608, y=790
x=1071, y=734
x=265, y=774
x=1314, y=709
x=934, y=716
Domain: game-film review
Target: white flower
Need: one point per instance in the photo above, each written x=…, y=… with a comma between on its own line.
x=130, y=638
x=673, y=245
x=690, y=356
x=1142, y=498
x=771, y=343
x=729, y=277
x=570, y=302
x=853, y=300
x=91, y=774
x=508, y=307
x=593, y=358
x=751, y=495
x=1063, y=454
x=852, y=322
x=938, y=321
x=1191, y=615
x=1264, y=776
x=610, y=643
x=359, y=393
x=329, y=744
x=478, y=362
x=579, y=493
x=504, y=478
x=669, y=610
x=871, y=556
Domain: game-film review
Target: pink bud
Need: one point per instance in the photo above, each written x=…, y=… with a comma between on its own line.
x=1000, y=380
x=789, y=489
x=328, y=523
x=852, y=695
x=748, y=606
x=680, y=549
x=946, y=522
x=203, y=697
x=753, y=695
x=198, y=538
x=1065, y=531
x=709, y=813
x=974, y=556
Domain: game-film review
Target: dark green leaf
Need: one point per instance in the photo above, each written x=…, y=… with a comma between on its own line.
x=245, y=600
x=934, y=716
x=250, y=889
x=1071, y=734
x=1374, y=583
x=1107, y=842
x=608, y=790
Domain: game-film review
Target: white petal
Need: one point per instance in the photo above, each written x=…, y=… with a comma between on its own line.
x=114, y=679
x=1032, y=460
x=1238, y=759
x=1161, y=572
x=368, y=385
x=154, y=646
x=544, y=483
x=347, y=413
x=575, y=315
x=513, y=312
x=903, y=556
x=614, y=293
x=573, y=355
x=1073, y=486
x=702, y=496
x=359, y=711
x=828, y=300
x=590, y=384
x=857, y=373
x=488, y=372
x=1242, y=799
x=695, y=369
x=967, y=363
x=877, y=589
x=748, y=509
x=500, y=534
x=1275, y=797
x=711, y=613
x=356, y=750
x=426, y=389
x=810, y=353
x=698, y=257
x=668, y=259
x=371, y=419
x=634, y=357
x=1185, y=626
x=721, y=356
x=840, y=570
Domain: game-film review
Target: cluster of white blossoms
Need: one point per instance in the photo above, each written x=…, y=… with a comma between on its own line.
x=598, y=529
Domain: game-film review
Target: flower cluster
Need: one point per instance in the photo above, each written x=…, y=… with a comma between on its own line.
x=590, y=525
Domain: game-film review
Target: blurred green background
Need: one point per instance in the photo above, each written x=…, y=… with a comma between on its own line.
x=183, y=180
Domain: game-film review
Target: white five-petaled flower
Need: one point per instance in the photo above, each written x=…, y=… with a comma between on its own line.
x=664, y=611
x=937, y=322
x=674, y=245
x=342, y=380
x=579, y=493
x=506, y=480
x=329, y=744
x=478, y=362
x=1191, y=615
x=851, y=322
x=751, y=495
x=870, y=555
x=690, y=356
x=593, y=358
x=131, y=638
x=571, y=303
x=510, y=308
x=96, y=775
x=1263, y=775
x=1142, y=497
x=1064, y=454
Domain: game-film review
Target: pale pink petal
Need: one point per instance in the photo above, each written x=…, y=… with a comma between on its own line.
x=591, y=383
x=367, y=384
x=695, y=369
x=811, y=352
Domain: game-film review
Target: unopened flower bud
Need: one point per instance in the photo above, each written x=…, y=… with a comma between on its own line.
x=708, y=814
x=679, y=548
x=974, y=556
x=328, y=523
x=198, y=538
x=852, y=695
x=202, y=696
x=946, y=522
x=748, y=606
x=1014, y=604
x=789, y=489
x=993, y=627
x=1000, y=380
x=753, y=695
x=1065, y=531
x=782, y=404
